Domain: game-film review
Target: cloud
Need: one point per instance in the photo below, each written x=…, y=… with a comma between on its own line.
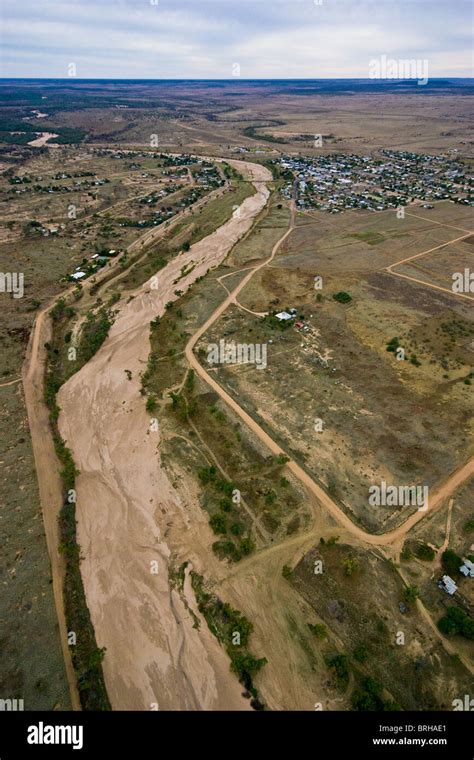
x=203, y=38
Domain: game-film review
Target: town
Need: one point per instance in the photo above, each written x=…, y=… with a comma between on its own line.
x=336, y=182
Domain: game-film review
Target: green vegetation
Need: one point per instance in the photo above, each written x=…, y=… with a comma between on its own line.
x=392, y=345
x=342, y=297
x=351, y=564
x=233, y=630
x=468, y=526
x=368, y=696
x=319, y=630
x=94, y=332
x=361, y=653
x=451, y=562
x=339, y=664
x=86, y=655
x=456, y=621
x=410, y=594
x=425, y=552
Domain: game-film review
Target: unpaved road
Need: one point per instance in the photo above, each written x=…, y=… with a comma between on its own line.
x=49, y=480
x=126, y=507
x=389, y=269
x=383, y=539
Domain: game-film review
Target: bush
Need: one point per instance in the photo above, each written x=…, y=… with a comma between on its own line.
x=368, y=697
x=151, y=403
x=360, y=653
x=424, y=552
x=218, y=523
x=342, y=297
x=339, y=663
x=410, y=594
x=287, y=572
x=456, y=621
x=318, y=630
x=350, y=566
x=225, y=505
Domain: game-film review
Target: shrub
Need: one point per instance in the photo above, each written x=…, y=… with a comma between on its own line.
x=218, y=523
x=318, y=630
x=425, y=552
x=342, y=297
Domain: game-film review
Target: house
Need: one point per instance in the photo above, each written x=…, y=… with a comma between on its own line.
x=467, y=568
x=78, y=275
x=298, y=324
x=448, y=585
x=283, y=316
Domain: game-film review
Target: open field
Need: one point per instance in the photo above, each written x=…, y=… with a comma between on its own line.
x=262, y=118
x=403, y=422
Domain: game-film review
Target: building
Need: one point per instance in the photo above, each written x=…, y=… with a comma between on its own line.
x=283, y=316
x=467, y=568
x=448, y=585
x=78, y=275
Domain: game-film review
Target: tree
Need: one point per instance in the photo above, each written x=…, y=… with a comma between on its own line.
x=218, y=523
x=410, y=594
x=451, y=562
x=287, y=572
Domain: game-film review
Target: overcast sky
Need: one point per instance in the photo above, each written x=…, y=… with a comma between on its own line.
x=162, y=39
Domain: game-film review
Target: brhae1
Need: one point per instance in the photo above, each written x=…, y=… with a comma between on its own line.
x=42, y=734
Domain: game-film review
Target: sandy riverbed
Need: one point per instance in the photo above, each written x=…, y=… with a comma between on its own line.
x=126, y=507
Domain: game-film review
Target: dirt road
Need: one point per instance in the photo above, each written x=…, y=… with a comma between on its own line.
x=389, y=269
x=49, y=480
x=322, y=497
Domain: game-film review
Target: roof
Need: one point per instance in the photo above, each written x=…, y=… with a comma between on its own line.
x=283, y=315
x=78, y=275
x=467, y=568
x=449, y=584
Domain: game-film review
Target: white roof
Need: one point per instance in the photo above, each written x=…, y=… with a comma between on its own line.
x=78, y=275
x=467, y=568
x=283, y=315
x=449, y=584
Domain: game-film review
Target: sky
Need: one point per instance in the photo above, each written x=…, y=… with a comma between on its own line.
x=219, y=39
